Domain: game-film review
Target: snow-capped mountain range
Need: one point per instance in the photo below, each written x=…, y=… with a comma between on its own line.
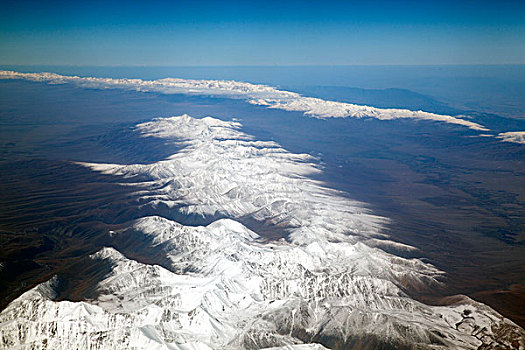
x=321, y=276
x=258, y=94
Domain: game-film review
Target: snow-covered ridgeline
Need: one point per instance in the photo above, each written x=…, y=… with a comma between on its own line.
x=222, y=172
x=257, y=94
x=242, y=294
x=226, y=287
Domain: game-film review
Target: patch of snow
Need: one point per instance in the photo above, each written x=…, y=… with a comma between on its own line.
x=512, y=136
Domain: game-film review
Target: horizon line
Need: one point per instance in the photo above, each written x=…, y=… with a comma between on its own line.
x=264, y=65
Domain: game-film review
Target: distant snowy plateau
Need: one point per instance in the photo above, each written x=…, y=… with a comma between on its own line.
x=321, y=273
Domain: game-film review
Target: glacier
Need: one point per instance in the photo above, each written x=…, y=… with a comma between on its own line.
x=322, y=278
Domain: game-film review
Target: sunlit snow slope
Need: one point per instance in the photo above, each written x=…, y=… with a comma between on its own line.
x=326, y=281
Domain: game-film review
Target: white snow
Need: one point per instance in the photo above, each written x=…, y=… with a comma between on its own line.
x=512, y=136
x=257, y=94
x=229, y=288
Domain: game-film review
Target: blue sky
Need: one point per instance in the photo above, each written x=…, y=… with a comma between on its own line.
x=262, y=32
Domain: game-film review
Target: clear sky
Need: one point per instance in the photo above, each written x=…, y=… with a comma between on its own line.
x=262, y=32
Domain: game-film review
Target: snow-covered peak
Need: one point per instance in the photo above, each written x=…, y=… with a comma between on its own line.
x=222, y=172
x=240, y=293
